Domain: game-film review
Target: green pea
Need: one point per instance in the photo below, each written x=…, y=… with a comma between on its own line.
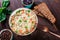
x=16, y=31
x=25, y=21
x=26, y=26
x=28, y=11
x=20, y=20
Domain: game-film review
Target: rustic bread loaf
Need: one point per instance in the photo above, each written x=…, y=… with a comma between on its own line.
x=45, y=12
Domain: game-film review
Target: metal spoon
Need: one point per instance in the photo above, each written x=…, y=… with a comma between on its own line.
x=45, y=29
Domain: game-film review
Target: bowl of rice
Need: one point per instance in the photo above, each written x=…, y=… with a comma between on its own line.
x=23, y=21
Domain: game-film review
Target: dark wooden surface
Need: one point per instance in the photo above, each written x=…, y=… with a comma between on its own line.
x=54, y=6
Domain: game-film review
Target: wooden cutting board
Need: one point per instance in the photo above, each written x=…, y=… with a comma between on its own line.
x=54, y=6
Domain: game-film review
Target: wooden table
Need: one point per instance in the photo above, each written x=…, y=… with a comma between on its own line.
x=54, y=6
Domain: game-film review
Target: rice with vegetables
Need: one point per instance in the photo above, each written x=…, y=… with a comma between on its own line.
x=23, y=22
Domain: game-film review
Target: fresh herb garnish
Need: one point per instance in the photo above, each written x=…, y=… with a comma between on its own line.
x=4, y=10
x=5, y=3
x=2, y=17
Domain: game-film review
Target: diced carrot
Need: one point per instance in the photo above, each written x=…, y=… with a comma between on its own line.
x=24, y=17
x=13, y=22
x=27, y=14
x=20, y=31
x=16, y=18
x=12, y=16
x=32, y=28
x=22, y=11
x=26, y=30
x=12, y=19
x=33, y=22
x=31, y=19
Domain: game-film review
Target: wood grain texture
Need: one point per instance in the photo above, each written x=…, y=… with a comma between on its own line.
x=54, y=6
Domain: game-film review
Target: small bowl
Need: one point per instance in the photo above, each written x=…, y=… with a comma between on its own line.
x=27, y=6
x=9, y=31
x=14, y=12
